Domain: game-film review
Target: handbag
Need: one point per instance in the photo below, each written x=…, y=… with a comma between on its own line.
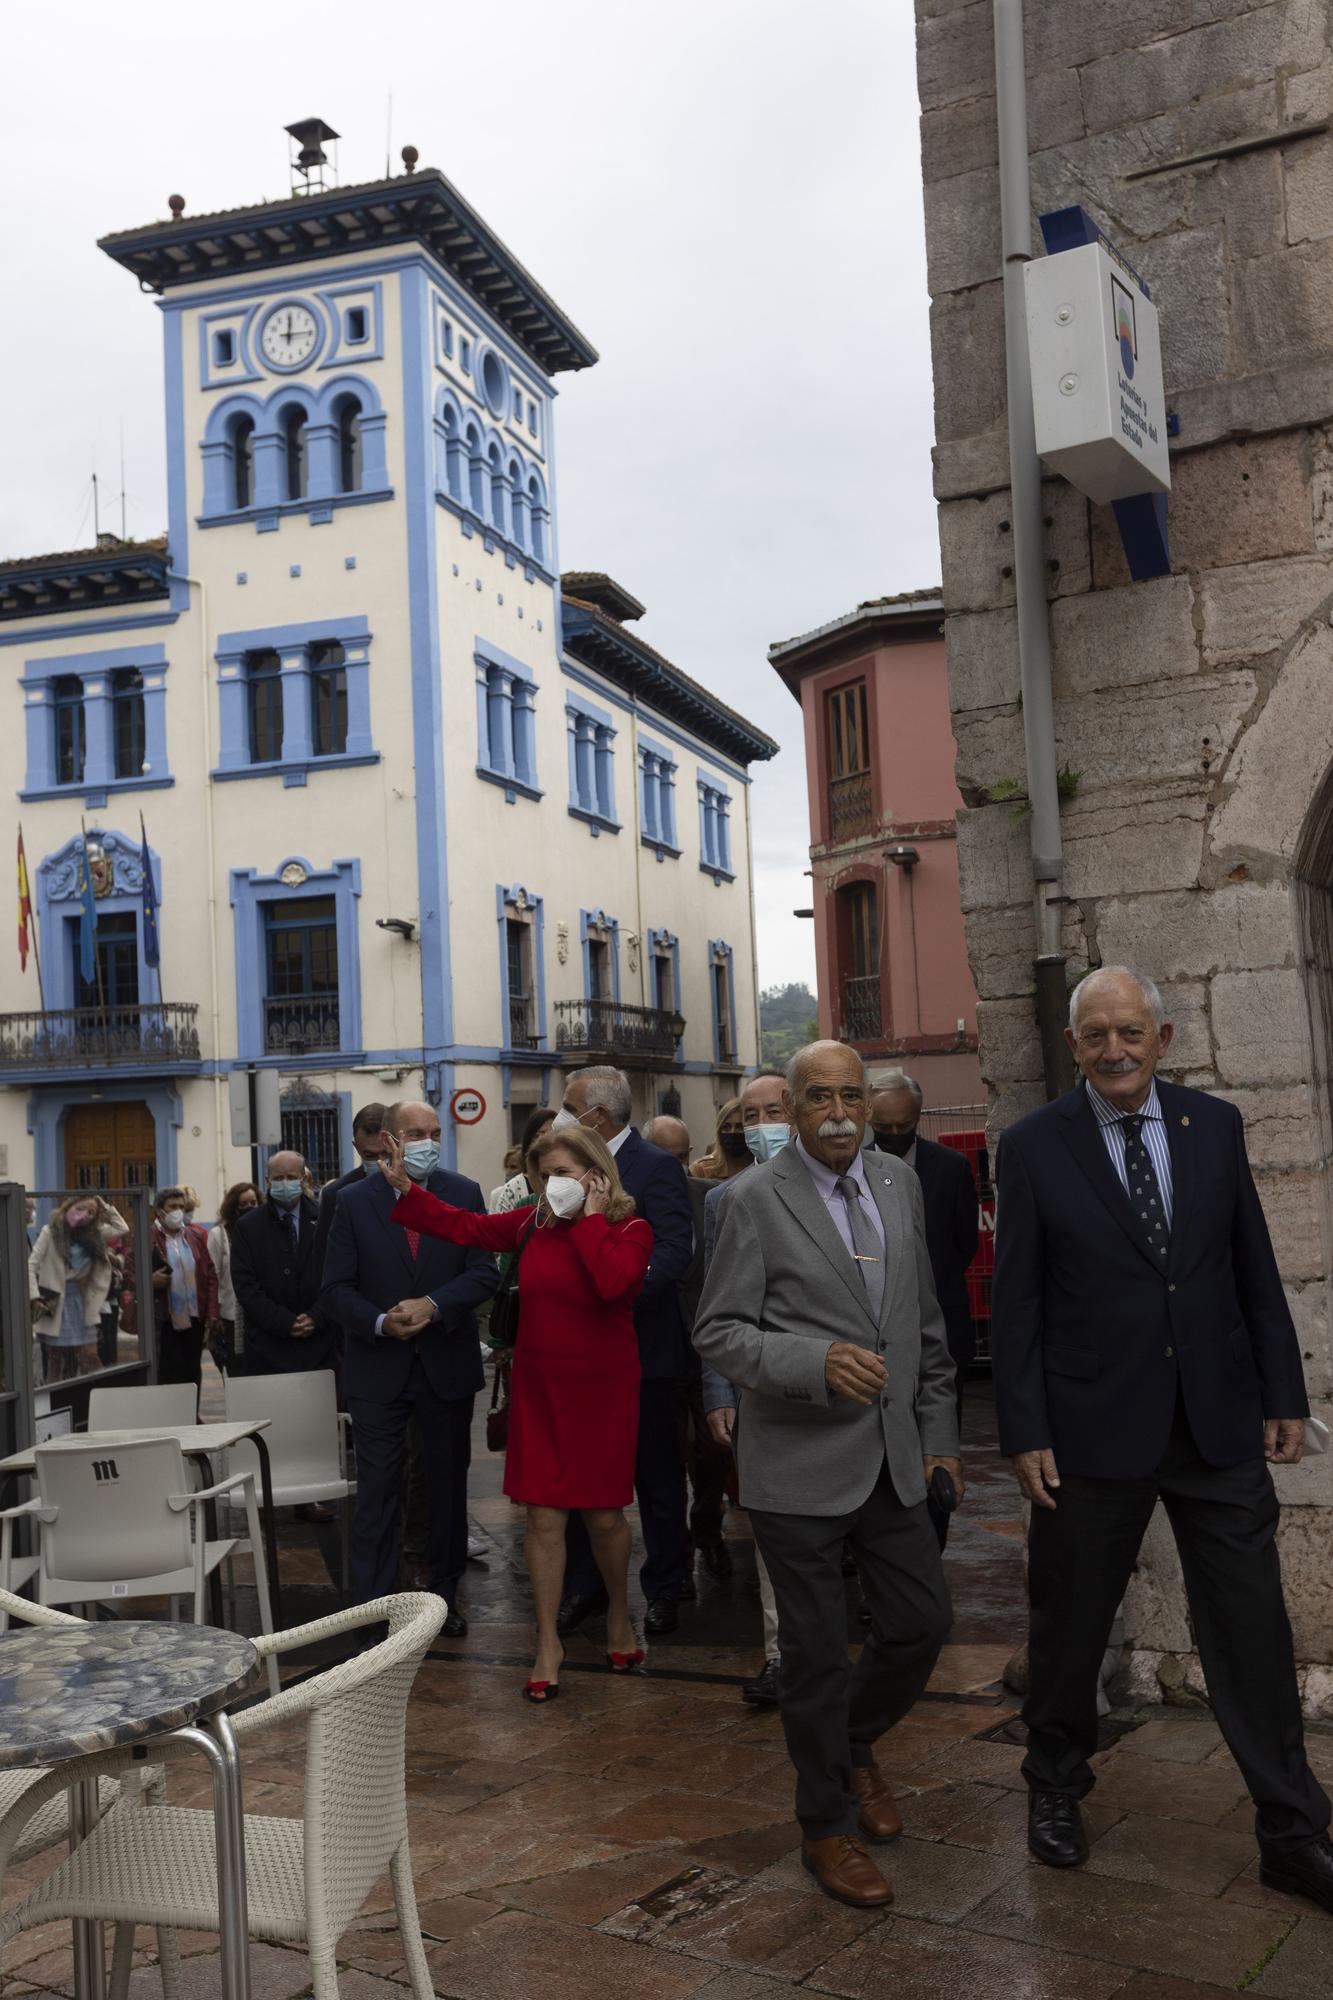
x=497, y=1417
x=502, y=1329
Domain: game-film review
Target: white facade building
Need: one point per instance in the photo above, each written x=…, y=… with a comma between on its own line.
x=421, y=815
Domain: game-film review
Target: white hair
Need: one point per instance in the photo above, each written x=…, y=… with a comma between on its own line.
x=898, y=1079
x=1152, y=998
x=802, y=1056
x=609, y=1089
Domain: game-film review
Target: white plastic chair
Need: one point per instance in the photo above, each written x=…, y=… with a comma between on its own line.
x=306, y=1440
x=150, y=1406
x=305, y=1879
x=115, y=1523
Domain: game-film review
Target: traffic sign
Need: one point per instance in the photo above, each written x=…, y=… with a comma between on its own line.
x=467, y=1107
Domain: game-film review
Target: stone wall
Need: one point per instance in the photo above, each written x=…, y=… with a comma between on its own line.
x=1197, y=709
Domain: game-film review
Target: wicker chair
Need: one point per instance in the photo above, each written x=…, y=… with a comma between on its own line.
x=147, y=1863
x=49, y=1824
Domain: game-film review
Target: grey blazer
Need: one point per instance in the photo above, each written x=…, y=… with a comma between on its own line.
x=781, y=1288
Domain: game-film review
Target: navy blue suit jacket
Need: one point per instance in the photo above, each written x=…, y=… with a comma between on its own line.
x=949, y=1197
x=657, y=1182
x=274, y=1281
x=1090, y=1334
x=368, y=1268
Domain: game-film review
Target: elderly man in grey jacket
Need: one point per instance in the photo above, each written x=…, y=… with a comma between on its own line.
x=820, y=1306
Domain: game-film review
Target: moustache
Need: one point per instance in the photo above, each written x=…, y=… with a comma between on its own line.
x=838, y=1128
x=1125, y=1067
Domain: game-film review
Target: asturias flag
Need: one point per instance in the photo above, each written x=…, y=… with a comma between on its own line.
x=87, y=921
x=151, y=951
x=25, y=906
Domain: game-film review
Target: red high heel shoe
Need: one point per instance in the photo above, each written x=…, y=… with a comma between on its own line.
x=540, y=1692
x=625, y=1663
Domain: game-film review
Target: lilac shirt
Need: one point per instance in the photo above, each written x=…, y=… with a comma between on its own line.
x=826, y=1186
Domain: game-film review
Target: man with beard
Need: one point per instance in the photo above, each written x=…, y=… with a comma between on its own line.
x=819, y=1305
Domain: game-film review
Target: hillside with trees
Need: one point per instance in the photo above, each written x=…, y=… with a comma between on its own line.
x=787, y=1020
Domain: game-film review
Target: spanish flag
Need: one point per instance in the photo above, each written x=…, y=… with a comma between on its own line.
x=25, y=906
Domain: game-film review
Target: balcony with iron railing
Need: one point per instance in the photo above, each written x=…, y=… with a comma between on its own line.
x=851, y=806
x=298, y=1023
x=522, y=1025
x=152, y=1034
x=608, y=1031
x=862, y=1010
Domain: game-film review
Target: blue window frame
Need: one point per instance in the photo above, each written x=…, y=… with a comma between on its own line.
x=263, y=682
x=294, y=452
x=301, y=974
x=592, y=772
x=71, y=737
x=447, y=338
x=723, y=996
x=465, y=355
x=298, y=969
x=506, y=721
x=357, y=325
x=128, y=723
x=117, y=962
x=657, y=797
x=714, y=829
x=347, y=411
x=328, y=699
x=224, y=347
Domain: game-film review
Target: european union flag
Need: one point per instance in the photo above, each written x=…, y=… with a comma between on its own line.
x=87, y=922
x=152, y=954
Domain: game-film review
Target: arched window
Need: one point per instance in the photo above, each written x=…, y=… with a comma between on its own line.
x=294, y=447
x=67, y=702
x=518, y=502
x=242, y=461
x=475, y=471
x=348, y=412
x=499, y=512
x=538, y=522
x=453, y=454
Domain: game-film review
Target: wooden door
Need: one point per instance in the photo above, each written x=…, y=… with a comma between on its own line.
x=110, y=1146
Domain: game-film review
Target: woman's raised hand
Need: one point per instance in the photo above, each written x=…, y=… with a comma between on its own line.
x=392, y=1166
x=597, y=1199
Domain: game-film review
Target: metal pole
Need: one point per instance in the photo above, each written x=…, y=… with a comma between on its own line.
x=1034, y=639
x=215, y=1738
x=89, y=1941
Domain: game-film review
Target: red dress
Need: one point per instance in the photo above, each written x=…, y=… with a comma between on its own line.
x=574, y=1410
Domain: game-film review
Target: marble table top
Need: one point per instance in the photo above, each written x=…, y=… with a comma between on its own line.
x=191, y=1438
x=71, y=1690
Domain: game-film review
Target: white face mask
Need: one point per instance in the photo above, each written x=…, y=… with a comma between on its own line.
x=564, y=1119
x=564, y=1195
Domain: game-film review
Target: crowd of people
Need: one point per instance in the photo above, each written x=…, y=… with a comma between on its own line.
x=780, y=1319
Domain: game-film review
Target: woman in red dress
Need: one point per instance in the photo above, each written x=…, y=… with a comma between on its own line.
x=574, y=1408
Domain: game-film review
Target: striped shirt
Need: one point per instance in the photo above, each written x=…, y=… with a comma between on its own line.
x=1154, y=1138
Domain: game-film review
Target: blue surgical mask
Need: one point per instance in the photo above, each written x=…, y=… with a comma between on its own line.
x=421, y=1157
x=285, y=1192
x=767, y=1141
x=370, y=1167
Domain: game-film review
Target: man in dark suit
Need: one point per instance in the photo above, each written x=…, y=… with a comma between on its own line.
x=406, y=1304
x=1143, y=1349
x=368, y=1145
x=275, y=1277
x=599, y=1098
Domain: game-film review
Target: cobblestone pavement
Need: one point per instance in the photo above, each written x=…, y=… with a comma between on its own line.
x=636, y=1840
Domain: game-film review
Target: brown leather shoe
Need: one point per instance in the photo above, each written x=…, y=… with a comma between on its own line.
x=845, y=1871
x=880, y=1817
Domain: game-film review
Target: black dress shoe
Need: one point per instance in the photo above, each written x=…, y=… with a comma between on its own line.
x=685, y=1590
x=1301, y=1871
x=579, y=1605
x=762, y=1691
x=1055, y=1830
x=716, y=1559
x=455, y=1625
x=661, y=1617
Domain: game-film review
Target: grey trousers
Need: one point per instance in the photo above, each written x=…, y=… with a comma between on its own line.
x=833, y=1713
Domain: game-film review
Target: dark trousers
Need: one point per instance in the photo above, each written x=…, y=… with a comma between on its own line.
x=706, y=1462
x=1080, y=1559
x=380, y=1433
x=659, y=1487
x=833, y=1713
x=180, y=1352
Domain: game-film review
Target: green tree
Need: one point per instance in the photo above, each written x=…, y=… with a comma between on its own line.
x=787, y=1020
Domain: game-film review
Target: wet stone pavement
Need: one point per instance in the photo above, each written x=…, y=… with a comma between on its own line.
x=635, y=1841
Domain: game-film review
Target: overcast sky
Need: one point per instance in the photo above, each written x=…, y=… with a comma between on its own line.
x=723, y=194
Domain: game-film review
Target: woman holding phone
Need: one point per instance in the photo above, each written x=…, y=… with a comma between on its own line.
x=574, y=1415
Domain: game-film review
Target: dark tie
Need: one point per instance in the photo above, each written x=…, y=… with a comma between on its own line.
x=1145, y=1192
x=294, y=1229
x=866, y=1246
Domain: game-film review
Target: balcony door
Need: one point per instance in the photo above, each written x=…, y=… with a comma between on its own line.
x=117, y=959
x=301, y=993
x=110, y=1146
x=858, y=950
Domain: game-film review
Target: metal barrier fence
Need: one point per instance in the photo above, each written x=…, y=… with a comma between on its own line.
x=938, y=1118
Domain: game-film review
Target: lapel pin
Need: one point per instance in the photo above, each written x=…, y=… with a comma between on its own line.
x=888, y=1180
x=1185, y=1121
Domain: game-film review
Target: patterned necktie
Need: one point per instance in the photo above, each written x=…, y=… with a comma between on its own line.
x=413, y=1242
x=1145, y=1192
x=866, y=1246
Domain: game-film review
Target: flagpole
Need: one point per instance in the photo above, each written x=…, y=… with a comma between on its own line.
x=97, y=956
x=152, y=892
x=36, y=946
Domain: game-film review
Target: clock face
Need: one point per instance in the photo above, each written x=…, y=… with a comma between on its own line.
x=289, y=336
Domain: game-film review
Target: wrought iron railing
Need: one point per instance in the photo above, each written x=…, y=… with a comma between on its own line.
x=862, y=1010
x=522, y=1029
x=606, y=1028
x=310, y=1021
x=851, y=806
x=153, y=1032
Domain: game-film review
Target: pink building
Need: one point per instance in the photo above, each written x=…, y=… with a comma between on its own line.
x=879, y=751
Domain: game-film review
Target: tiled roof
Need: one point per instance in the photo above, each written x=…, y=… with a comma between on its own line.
x=594, y=586
x=112, y=551
x=602, y=642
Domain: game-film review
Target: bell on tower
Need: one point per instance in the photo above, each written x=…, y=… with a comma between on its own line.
x=309, y=159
